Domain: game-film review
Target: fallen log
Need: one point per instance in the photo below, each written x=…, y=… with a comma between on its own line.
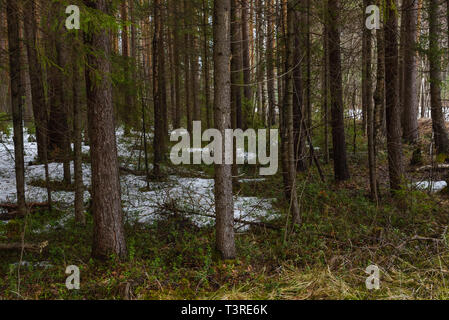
x=438, y=167
x=14, y=206
x=13, y=213
x=36, y=247
x=10, y=216
x=132, y=172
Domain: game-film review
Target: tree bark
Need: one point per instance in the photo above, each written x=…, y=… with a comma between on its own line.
x=36, y=78
x=392, y=106
x=325, y=84
x=409, y=76
x=159, y=92
x=341, y=169
x=224, y=204
x=299, y=119
x=12, y=13
x=438, y=121
x=206, y=67
x=379, y=94
x=261, y=63
x=77, y=80
x=367, y=97
x=236, y=65
x=109, y=234
x=288, y=140
x=270, y=63
x=187, y=67
x=58, y=129
x=247, y=90
x=126, y=66
x=176, y=60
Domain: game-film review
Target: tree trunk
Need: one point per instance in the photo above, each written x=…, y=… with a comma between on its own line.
x=177, y=62
x=261, y=63
x=367, y=97
x=409, y=89
x=187, y=67
x=379, y=94
x=58, y=129
x=392, y=106
x=325, y=85
x=236, y=65
x=36, y=79
x=126, y=66
x=309, y=126
x=109, y=234
x=439, y=124
x=288, y=140
x=77, y=136
x=299, y=121
x=194, y=66
x=159, y=93
x=270, y=63
x=12, y=12
x=206, y=63
x=224, y=204
x=247, y=92
x=341, y=169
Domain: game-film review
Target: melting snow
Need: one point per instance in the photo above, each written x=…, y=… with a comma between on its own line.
x=434, y=186
x=188, y=194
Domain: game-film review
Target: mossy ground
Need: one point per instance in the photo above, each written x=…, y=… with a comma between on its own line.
x=342, y=233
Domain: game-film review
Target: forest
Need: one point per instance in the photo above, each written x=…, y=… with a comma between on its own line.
x=224, y=150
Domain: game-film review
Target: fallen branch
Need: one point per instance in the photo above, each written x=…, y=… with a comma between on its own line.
x=251, y=223
x=13, y=212
x=439, y=167
x=36, y=247
x=14, y=206
x=10, y=215
x=133, y=172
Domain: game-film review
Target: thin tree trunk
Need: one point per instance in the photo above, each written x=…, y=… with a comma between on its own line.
x=308, y=72
x=58, y=129
x=439, y=124
x=236, y=65
x=206, y=63
x=367, y=96
x=77, y=136
x=379, y=94
x=270, y=63
x=409, y=90
x=187, y=67
x=158, y=90
x=177, y=62
x=341, y=169
x=287, y=109
x=392, y=106
x=224, y=204
x=325, y=85
x=261, y=64
x=12, y=14
x=194, y=66
x=299, y=121
x=247, y=91
x=36, y=79
x=126, y=66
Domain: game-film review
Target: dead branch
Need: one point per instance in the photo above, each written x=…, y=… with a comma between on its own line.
x=439, y=167
x=14, y=206
x=36, y=247
x=251, y=223
x=133, y=172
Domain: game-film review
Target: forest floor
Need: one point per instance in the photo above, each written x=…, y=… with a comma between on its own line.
x=170, y=236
